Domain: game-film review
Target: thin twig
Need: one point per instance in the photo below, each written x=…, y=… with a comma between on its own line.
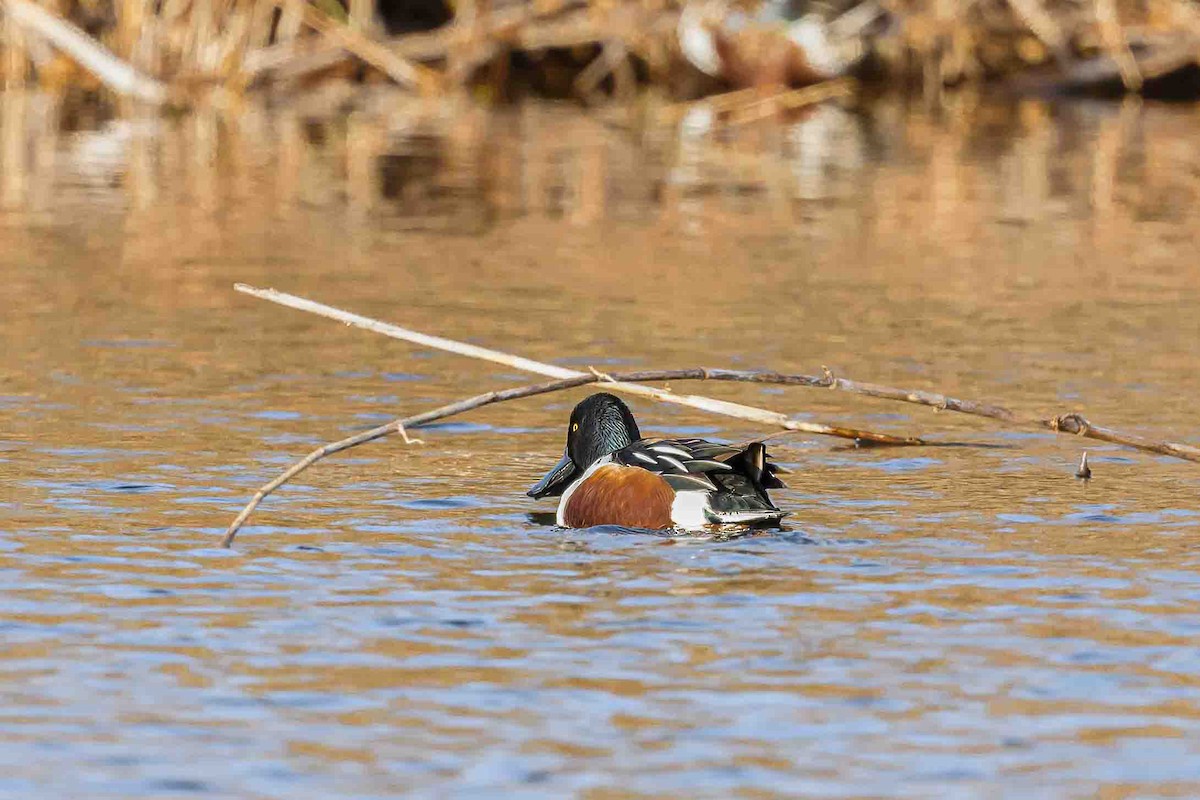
x=735, y=106
x=395, y=426
x=1062, y=423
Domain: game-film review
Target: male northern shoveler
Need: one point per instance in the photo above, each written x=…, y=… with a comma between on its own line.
x=610, y=475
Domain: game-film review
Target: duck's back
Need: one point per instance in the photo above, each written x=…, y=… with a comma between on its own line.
x=714, y=484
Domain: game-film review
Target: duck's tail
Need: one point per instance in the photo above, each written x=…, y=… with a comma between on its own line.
x=759, y=470
x=744, y=495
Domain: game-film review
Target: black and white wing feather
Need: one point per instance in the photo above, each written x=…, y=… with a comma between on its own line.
x=701, y=465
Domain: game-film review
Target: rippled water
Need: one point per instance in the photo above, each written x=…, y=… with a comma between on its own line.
x=967, y=621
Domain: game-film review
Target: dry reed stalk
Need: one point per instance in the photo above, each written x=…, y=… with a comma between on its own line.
x=146, y=53
x=195, y=34
x=790, y=100
x=291, y=20
x=744, y=106
x=16, y=62
x=230, y=41
x=468, y=26
x=361, y=16
x=254, y=32
x=613, y=55
x=172, y=27
x=398, y=68
x=130, y=21
x=1117, y=45
x=14, y=155
x=475, y=37
x=1035, y=16
x=289, y=61
x=584, y=26
x=114, y=73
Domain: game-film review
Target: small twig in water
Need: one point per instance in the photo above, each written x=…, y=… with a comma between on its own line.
x=1084, y=473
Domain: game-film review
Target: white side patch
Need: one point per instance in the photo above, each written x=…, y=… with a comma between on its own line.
x=744, y=517
x=691, y=510
x=688, y=509
x=560, y=517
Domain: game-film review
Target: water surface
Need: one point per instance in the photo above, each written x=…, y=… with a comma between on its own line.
x=966, y=621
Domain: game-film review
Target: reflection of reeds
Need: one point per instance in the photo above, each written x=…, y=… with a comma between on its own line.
x=413, y=166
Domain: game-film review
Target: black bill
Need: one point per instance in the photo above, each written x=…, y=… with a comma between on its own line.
x=556, y=480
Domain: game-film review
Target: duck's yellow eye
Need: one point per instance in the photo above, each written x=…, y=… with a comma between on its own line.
x=574, y=427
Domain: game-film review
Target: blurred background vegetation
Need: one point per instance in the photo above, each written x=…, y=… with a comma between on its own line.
x=170, y=51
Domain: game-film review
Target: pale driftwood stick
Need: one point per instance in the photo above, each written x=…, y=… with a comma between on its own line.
x=788, y=100
x=1064, y=423
x=758, y=416
x=487, y=398
x=85, y=51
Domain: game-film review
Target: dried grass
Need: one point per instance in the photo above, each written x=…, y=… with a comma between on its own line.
x=615, y=44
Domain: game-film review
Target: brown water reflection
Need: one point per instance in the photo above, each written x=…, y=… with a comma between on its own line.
x=951, y=620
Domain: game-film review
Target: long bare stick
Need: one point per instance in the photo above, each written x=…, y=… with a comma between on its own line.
x=1062, y=423
x=84, y=50
x=758, y=416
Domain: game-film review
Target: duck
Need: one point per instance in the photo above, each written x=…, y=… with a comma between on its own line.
x=610, y=474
